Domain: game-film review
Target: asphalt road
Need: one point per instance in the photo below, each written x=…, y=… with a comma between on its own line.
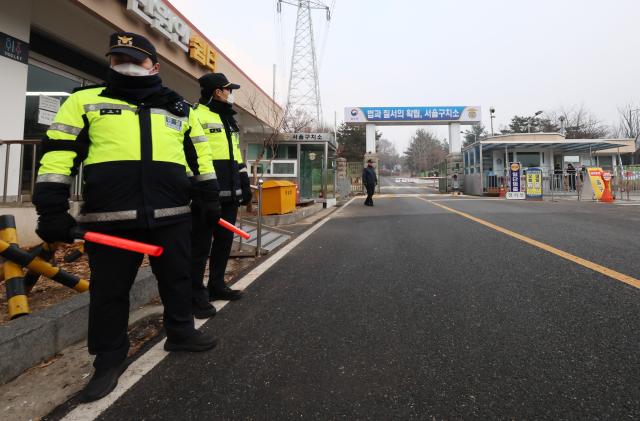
x=409, y=311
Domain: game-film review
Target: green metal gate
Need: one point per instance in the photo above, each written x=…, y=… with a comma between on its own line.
x=354, y=174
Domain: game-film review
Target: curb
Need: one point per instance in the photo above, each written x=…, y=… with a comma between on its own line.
x=29, y=340
x=290, y=218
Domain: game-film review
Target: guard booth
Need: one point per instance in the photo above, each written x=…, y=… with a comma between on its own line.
x=306, y=159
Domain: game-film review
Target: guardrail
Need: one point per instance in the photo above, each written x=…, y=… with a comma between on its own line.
x=32, y=172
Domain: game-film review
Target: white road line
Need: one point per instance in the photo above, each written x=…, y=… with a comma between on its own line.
x=151, y=358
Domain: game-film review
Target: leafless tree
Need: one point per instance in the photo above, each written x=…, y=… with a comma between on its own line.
x=270, y=130
x=298, y=121
x=629, y=121
x=580, y=123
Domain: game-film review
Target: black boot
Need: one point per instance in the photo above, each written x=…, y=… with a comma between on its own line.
x=197, y=343
x=225, y=293
x=203, y=309
x=102, y=383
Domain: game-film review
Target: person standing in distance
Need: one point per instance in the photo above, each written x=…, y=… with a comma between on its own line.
x=369, y=179
x=134, y=137
x=216, y=114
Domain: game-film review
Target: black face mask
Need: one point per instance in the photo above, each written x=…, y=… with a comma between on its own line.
x=133, y=88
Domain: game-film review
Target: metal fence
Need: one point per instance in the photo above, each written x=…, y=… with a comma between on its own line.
x=354, y=174
x=554, y=183
x=28, y=171
x=626, y=182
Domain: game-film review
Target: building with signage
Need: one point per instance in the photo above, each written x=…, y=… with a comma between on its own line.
x=486, y=162
x=307, y=159
x=50, y=47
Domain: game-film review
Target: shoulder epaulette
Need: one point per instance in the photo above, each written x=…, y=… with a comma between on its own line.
x=82, y=88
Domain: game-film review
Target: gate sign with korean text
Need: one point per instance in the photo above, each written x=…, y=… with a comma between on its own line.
x=407, y=115
x=534, y=183
x=515, y=189
x=308, y=137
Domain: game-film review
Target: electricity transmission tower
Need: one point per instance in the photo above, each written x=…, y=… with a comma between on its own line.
x=304, y=88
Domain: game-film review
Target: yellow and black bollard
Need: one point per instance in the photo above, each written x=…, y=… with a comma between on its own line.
x=46, y=253
x=13, y=273
x=34, y=263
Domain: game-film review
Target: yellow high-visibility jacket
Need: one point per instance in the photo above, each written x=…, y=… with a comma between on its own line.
x=225, y=151
x=137, y=160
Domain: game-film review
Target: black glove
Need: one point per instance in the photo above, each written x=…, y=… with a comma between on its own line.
x=54, y=227
x=246, y=189
x=205, y=204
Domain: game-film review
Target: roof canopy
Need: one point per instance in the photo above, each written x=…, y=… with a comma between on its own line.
x=548, y=141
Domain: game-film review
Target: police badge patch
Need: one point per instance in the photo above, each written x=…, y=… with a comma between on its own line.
x=173, y=123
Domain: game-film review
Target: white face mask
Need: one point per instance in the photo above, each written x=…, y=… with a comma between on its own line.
x=130, y=69
x=231, y=98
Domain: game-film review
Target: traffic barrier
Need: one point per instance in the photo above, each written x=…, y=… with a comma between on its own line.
x=607, y=196
x=16, y=290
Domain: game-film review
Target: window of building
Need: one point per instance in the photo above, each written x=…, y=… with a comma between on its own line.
x=45, y=82
x=275, y=168
x=529, y=159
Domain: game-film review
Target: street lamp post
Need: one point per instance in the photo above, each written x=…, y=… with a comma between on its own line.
x=531, y=119
x=492, y=111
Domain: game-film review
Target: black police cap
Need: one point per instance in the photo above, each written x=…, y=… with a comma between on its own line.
x=213, y=81
x=133, y=45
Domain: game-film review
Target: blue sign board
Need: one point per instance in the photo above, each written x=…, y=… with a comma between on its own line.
x=434, y=115
x=514, y=176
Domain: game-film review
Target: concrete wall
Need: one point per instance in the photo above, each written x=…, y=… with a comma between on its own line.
x=15, y=21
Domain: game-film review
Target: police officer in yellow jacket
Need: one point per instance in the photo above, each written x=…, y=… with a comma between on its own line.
x=136, y=139
x=221, y=129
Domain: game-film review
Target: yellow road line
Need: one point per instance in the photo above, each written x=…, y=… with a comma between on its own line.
x=629, y=280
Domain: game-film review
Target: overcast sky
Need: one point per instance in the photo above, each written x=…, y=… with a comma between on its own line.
x=519, y=56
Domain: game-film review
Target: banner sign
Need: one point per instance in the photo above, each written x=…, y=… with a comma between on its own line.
x=595, y=177
x=425, y=115
x=534, y=183
x=515, y=189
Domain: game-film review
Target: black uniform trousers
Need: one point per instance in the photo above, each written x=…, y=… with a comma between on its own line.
x=370, y=190
x=217, y=252
x=113, y=272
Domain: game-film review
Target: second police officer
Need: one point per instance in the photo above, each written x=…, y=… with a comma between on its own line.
x=135, y=138
x=216, y=115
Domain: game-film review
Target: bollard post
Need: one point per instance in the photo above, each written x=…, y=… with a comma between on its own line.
x=259, y=220
x=18, y=304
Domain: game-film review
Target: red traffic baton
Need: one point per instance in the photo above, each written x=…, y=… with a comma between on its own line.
x=234, y=229
x=118, y=242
